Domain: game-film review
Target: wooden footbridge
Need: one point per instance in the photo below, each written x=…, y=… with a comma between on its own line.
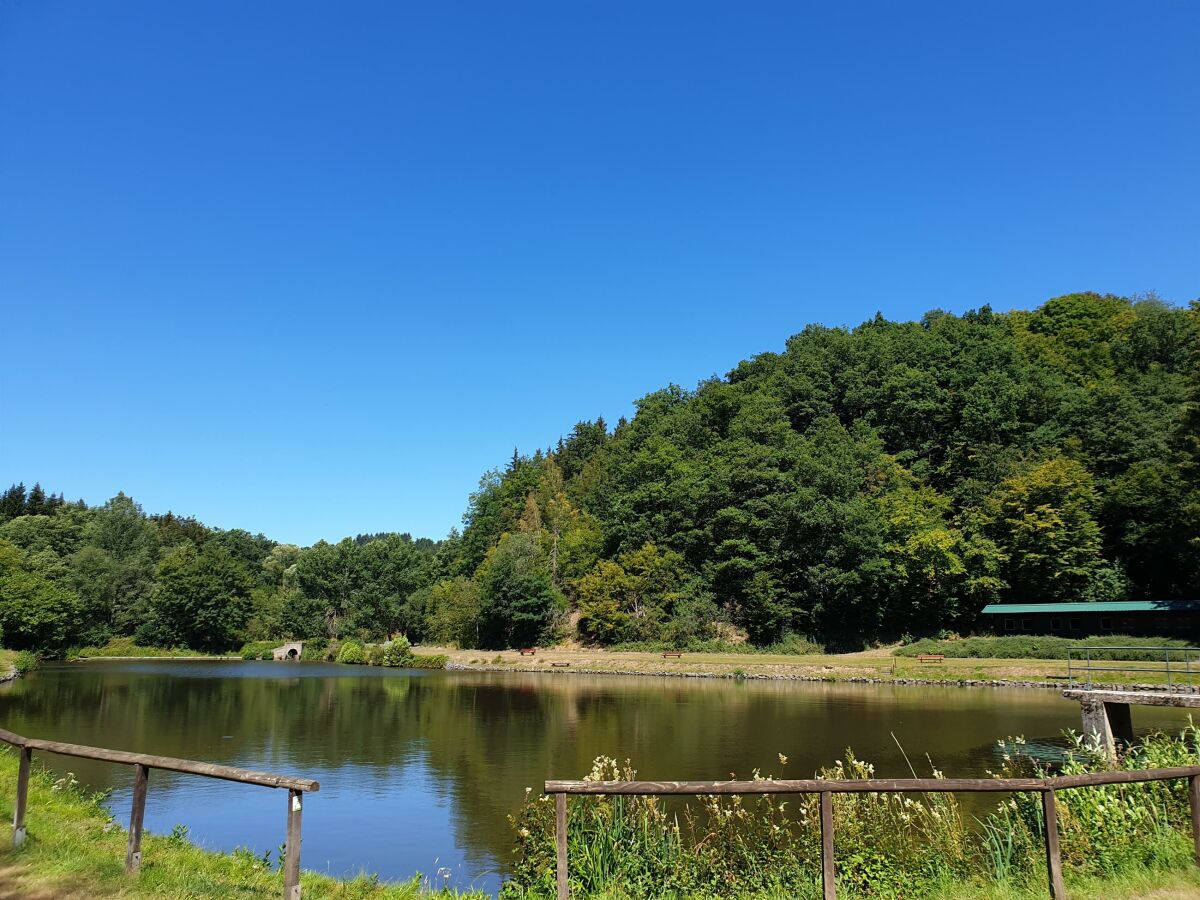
x=1169, y=676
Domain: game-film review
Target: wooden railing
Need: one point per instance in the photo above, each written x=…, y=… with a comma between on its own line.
x=826, y=789
x=142, y=764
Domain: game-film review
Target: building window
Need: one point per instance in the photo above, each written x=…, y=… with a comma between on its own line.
x=1010, y=624
x=1027, y=624
x=1077, y=625
x=1106, y=624
x=1056, y=624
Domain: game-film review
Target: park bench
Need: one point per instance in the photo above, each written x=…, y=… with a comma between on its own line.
x=559, y=665
x=528, y=651
x=931, y=657
x=675, y=653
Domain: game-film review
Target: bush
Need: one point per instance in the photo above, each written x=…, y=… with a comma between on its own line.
x=1027, y=646
x=352, y=653
x=790, y=643
x=397, y=652
x=315, y=649
x=259, y=649
x=795, y=645
x=417, y=661
x=25, y=662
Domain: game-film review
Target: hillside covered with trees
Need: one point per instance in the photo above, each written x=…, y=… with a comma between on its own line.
x=860, y=484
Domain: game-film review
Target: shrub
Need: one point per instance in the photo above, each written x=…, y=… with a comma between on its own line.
x=352, y=653
x=259, y=649
x=25, y=662
x=1027, y=646
x=397, y=652
x=315, y=649
x=417, y=661
x=374, y=654
x=795, y=645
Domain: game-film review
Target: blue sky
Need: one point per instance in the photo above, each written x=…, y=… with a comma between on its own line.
x=311, y=268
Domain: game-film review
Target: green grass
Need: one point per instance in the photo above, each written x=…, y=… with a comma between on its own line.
x=1162, y=885
x=1046, y=647
x=1116, y=840
x=75, y=850
x=124, y=646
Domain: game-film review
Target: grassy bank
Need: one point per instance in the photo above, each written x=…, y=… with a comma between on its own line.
x=1117, y=840
x=124, y=647
x=75, y=850
x=879, y=665
x=1134, y=649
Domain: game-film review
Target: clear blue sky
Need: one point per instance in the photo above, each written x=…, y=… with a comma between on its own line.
x=310, y=268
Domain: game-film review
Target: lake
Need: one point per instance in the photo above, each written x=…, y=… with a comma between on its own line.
x=419, y=770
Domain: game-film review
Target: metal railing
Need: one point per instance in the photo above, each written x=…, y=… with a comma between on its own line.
x=1179, y=666
x=827, y=788
x=142, y=764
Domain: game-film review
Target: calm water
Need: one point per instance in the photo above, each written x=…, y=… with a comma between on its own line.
x=419, y=770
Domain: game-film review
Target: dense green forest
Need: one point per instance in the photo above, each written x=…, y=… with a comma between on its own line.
x=861, y=484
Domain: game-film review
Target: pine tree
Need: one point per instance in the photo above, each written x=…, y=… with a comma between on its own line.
x=12, y=503
x=35, y=505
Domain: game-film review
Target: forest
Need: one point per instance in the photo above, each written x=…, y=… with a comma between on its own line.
x=862, y=484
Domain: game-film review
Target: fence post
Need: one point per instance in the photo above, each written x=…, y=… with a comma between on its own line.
x=22, y=796
x=560, y=844
x=1194, y=799
x=133, y=855
x=1058, y=890
x=291, y=861
x=828, y=872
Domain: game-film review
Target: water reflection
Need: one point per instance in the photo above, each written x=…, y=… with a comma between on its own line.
x=419, y=770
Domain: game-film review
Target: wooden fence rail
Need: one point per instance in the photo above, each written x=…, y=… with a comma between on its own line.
x=827, y=788
x=143, y=763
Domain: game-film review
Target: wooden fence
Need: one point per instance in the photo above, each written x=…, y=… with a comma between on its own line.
x=826, y=789
x=142, y=764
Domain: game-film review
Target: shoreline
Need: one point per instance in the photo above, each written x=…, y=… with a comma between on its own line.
x=760, y=676
x=816, y=679
x=160, y=658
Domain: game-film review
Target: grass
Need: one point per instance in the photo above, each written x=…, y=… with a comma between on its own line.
x=1137, y=886
x=75, y=850
x=1144, y=885
x=1048, y=647
x=125, y=647
x=882, y=664
x=1116, y=840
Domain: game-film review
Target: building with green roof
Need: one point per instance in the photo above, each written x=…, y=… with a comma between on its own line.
x=1148, y=618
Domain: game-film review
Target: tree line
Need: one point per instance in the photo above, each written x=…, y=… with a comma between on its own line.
x=860, y=484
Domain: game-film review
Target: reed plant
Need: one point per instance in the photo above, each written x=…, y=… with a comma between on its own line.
x=887, y=844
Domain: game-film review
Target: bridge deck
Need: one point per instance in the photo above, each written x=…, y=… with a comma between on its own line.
x=1137, y=698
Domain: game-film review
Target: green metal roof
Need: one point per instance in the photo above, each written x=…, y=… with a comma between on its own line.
x=1116, y=606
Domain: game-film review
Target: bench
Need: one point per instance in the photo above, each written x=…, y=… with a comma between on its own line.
x=528, y=651
x=678, y=654
x=931, y=657
x=559, y=665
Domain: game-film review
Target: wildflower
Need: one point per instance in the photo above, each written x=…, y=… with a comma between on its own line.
x=782, y=760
